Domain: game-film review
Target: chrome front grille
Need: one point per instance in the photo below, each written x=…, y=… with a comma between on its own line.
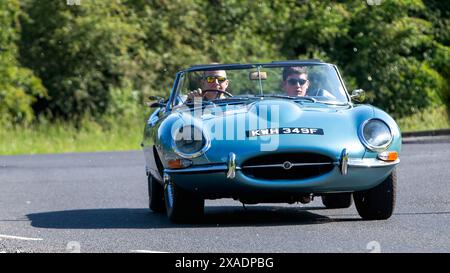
x=290, y=166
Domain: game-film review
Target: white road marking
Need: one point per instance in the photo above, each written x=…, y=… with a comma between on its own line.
x=20, y=238
x=146, y=251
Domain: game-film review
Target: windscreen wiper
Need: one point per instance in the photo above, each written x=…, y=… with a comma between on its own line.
x=288, y=97
x=198, y=102
x=333, y=103
x=305, y=98
x=217, y=101
x=231, y=99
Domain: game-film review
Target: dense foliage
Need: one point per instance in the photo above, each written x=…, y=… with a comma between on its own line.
x=19, y=87
x=102, y=57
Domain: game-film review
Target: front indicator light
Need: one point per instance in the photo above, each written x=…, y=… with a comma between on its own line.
x=179, y=163
x=388, y=156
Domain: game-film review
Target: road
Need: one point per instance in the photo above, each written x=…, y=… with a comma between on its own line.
x=97, y=202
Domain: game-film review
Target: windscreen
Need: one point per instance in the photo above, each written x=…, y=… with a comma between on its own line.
x=318, y=81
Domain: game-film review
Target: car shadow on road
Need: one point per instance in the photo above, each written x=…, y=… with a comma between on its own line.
x=215, y=216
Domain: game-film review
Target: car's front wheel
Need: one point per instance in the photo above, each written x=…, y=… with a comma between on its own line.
x=377, y=203
x=155, y=195
x=337, y=200
x=182, y=206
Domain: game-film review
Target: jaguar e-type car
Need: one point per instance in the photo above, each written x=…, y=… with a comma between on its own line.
x=279, y=132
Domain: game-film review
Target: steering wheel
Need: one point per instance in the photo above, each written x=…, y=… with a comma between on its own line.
x=217, y=91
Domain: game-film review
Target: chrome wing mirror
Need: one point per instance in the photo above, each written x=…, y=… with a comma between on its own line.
x=358, y=95
x=156, y=102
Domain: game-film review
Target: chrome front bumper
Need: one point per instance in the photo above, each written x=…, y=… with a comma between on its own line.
x=230, y=167
x=227, y=179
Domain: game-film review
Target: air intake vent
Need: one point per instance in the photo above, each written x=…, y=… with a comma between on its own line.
x=287, y=166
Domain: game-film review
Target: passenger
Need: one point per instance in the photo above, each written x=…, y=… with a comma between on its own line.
x=295, y=81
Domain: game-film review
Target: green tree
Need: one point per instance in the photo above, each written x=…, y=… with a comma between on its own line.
x=379, y=48
x=80, y=53
x=19, y=88
x=173, y=35
x=438, y=14
x=243, y=31
x=90, y=56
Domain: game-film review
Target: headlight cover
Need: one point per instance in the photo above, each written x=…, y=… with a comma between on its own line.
x=376, y=135
x=190, y=142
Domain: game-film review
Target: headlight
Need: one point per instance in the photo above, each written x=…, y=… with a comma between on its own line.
x=375, y=135
x=190, y=142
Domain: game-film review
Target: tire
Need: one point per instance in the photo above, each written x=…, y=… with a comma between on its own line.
x=182, y=206
x=377, y=203
x=155, y=195
x=337, y=200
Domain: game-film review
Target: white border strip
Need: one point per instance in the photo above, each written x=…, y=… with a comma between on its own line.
x=20, y=238
x=146, y=251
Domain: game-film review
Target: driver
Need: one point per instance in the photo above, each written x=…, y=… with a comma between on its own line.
x=211, y=81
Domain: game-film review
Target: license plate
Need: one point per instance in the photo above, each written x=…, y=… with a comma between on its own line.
x=285, y=131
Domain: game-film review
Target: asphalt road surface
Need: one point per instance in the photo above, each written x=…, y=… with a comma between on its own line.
x=97, y=202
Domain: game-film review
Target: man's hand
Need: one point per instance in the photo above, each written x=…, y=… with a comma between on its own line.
x=194, y=94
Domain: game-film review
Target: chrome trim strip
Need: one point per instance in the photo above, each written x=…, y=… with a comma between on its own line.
x=231, y=174
x=166, y=178
x=344, y=162
x=198, y=169
x=293, y=165
x=370, y=163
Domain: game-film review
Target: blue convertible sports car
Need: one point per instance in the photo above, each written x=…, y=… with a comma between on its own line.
x=269, y=133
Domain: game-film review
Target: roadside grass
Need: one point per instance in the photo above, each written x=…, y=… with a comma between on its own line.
x=432, y=118
x=125, y=133
x=64, y=137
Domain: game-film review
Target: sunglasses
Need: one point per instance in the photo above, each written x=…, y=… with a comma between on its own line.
x=211, y=79
x=295, y=81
